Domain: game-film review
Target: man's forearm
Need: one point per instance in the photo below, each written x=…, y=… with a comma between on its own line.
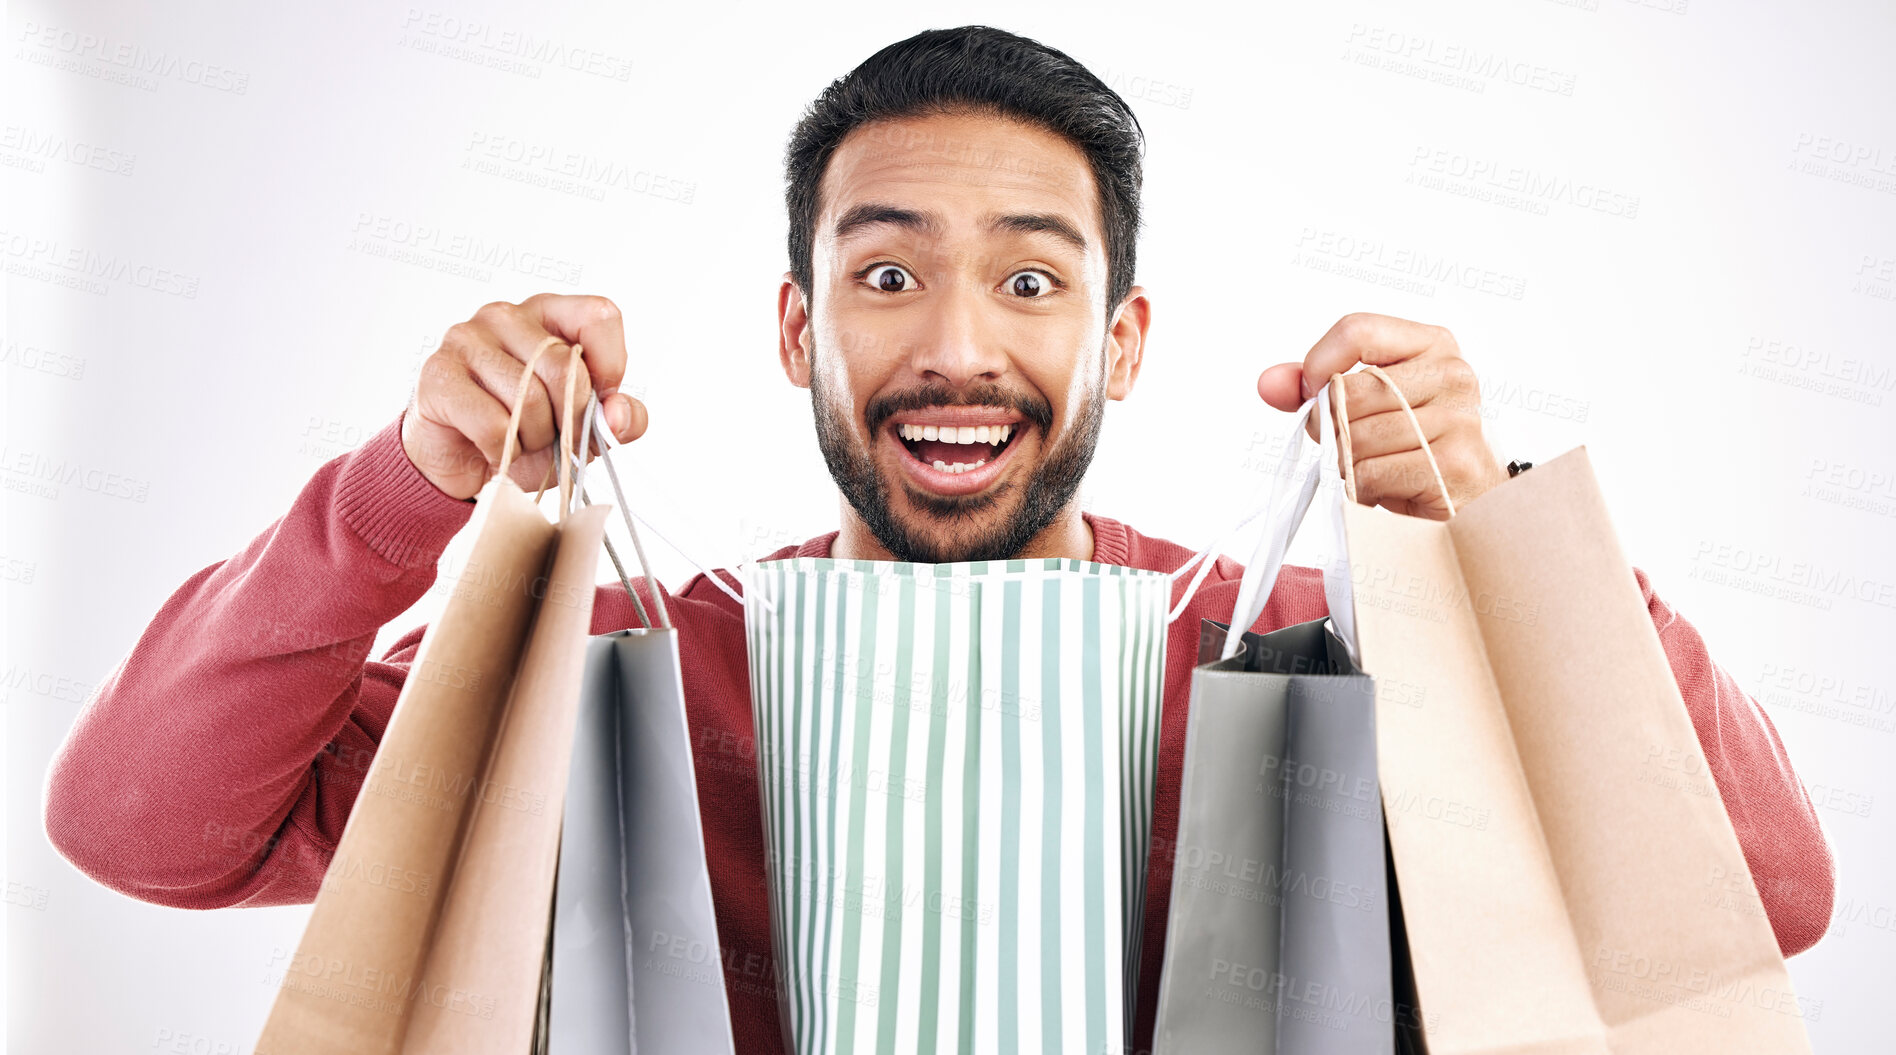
x=218, y=763
x=1776, y=824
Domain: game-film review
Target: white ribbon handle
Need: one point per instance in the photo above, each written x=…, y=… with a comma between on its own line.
x=632, y=519
x=1293, y=487
x=1261, y=572
x=1336, y=574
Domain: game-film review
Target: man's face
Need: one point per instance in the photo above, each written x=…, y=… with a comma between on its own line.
x=957, y=347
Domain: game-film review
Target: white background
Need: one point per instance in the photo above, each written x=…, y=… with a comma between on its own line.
x=1723, y=349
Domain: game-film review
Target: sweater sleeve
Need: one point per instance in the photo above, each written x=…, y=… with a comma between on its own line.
x=217, y=765
x=1777, y=826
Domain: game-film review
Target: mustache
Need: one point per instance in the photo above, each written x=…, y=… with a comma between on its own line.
x=988, y=394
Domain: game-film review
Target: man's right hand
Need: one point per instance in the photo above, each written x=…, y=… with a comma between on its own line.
x=456, y=426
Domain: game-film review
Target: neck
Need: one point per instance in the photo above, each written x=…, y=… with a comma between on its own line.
x=1068, y=536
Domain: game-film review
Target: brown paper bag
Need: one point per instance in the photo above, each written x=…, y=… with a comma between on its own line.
x=1565, y=882
x=429, y=933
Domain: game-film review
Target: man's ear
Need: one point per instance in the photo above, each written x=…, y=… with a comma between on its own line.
x=793, y=332
x=1125, y=343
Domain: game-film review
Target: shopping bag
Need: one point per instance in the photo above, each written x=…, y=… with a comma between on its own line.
x=429, y=931
x=1563, y=890
x=957, y=767
x=636, y=966
x=1278, y=932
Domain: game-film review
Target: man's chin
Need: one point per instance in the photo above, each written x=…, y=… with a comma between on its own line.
x=951, y=529
x=927, y=508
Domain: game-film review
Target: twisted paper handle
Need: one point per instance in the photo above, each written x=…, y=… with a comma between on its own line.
x=1340, y=404
x=567, y=436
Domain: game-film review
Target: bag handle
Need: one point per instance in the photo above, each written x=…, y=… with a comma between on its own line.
x=1349, y=464
x=601, y=437
x=1260, y=574
x=1262, y=570
x=566, y=434
x=1331, y=404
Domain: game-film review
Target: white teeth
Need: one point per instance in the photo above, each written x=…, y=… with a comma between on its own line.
x=958, y=467
x=991, y=434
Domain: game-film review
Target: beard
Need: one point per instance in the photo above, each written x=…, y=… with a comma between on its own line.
x=951, y=528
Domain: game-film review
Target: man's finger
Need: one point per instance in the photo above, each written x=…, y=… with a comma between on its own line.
x=1391, y=432
x=1279, y=385
x=522, y=335
x=1364, y=337
x=464, y=407
x=1402, y=482
x=593, y=323
x=499, y=372
x=626, y=417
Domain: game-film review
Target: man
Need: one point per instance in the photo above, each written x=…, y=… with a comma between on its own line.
x=963, y=214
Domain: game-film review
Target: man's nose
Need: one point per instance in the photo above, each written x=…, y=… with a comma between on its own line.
x=959, y=344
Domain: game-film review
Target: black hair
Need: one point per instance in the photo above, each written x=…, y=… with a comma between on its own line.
x=975, y=69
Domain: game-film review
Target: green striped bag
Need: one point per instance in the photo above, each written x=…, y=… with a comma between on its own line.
x=957, y=767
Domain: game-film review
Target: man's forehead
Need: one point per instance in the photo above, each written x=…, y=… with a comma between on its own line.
x=961, y=168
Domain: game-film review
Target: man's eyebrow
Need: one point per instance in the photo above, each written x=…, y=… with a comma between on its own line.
x=871, y=213
x=1041, y=223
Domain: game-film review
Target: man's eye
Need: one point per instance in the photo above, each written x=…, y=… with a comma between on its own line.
x=891, y=279
x=1028, y=284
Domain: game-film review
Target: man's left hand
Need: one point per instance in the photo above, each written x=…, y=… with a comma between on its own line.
x=1390, y=467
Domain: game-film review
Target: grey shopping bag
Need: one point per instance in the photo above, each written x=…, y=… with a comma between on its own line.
x=1278, y=937
x=636, y=966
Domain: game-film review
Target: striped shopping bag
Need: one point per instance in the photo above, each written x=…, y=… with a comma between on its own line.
x=956, y=764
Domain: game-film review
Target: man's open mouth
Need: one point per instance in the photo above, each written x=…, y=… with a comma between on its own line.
x=948, y=457
x=955, y=448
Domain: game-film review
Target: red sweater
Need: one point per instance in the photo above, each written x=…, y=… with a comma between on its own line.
x=218, y=763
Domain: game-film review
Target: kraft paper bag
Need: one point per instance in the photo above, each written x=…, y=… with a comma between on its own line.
x=636, y=966
x=1278, y=934
x=957, y=768
x=1562, y=891
x=429, y=933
